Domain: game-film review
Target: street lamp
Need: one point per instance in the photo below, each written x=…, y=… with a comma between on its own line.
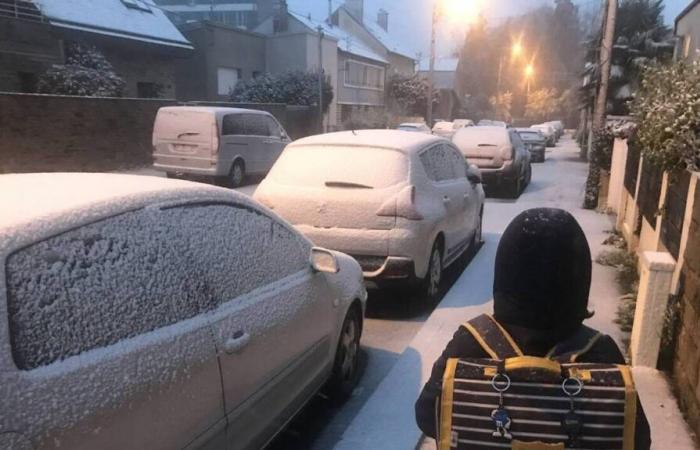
x=457, y=10
x=529, y=73
x=516, y=51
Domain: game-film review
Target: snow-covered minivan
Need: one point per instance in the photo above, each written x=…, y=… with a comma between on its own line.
x=404, y=205
x=222, y=144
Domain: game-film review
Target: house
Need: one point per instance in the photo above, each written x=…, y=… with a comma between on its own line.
x=445, y=82
x=138, y=39
x=687, y=31
x=223, y=56
x=246, y=14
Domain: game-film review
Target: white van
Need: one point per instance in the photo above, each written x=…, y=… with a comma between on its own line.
x=225, y=144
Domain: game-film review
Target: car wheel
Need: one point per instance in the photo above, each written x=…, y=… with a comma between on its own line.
x=529, y=175
x=431, y=283
x=237, y=175
x=476, y=240
x=346, y=365
x=515, y=188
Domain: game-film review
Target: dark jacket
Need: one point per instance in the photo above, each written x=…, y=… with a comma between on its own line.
x=542, y=278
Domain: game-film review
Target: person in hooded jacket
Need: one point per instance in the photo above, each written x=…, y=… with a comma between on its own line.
x=541, y=285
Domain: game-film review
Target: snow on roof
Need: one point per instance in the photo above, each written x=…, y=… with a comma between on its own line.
x=346, y=41
x=405, y=141
x=146, y=23
x=444, y=64
x=42, y=202
x=390, y=42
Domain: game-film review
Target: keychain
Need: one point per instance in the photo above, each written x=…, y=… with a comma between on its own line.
x=500, y=416
x=572, y=423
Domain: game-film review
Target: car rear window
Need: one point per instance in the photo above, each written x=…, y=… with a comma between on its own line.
x=480, y=137
x=183, y=125
x=245, y=125
x=530, y=136
x=319, y=165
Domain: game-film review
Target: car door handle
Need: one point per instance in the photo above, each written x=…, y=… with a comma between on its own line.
x=446, y=200
x=237, y=343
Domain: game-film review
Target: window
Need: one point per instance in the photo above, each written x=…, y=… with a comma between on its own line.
x=459, y=162
x=273, y=127
x=227, y=79
x=362, y=75
x=245, y=125
x=96, y=285
x=438, y=163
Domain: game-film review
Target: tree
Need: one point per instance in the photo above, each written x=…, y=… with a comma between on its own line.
x=542, y=104
x=502, y=104
x=86, y=72
x=293, y=87
x=409, y=93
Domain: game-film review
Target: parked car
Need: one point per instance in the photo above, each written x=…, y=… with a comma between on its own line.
x=492, y=123
x=404, y=206
x=549, y=133
x=444, y=129
x=461, y=123
x=499, y=153
x=558, y=126
x=222, y=144
x=535, y=142
x=142, y=312
x=417, y=127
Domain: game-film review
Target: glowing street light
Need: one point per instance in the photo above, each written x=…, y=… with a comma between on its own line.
x=517, y=49
x=529, y=74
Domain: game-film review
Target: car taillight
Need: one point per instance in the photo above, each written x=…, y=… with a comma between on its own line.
x=402, y=205
x=214, y=138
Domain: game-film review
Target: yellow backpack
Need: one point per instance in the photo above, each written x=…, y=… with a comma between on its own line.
x=513, y=401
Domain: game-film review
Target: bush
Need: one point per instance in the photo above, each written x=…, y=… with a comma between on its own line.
x=409, y=94
x=667, y=109
x=293, y=87
x=601, y=158
x=86, y=72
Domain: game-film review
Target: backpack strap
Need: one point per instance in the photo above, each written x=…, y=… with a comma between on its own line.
x=492, y=337
x=569, y=350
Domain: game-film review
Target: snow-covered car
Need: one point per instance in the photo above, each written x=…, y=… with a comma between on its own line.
x=142, y=312
x=404, y=205
x=461, y=123
x=499, y=153
x=535, y=142
x=224, y=145
x=444, y=129
x=417, y=127
x=492, y=123
x=558, y=126
x=549, y=133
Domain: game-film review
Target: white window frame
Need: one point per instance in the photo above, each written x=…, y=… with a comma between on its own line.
x=382, y=78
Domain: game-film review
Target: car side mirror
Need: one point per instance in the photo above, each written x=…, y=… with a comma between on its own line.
x=324, y=261
x=473, y=174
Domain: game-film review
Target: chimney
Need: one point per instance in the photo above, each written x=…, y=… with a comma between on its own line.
x=383, y=19
x=280, y=21
x=356, y=8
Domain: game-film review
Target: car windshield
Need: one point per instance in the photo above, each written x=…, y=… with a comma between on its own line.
x=530, y=136
x=340, y=167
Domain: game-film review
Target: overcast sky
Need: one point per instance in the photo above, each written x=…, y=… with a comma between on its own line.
x=409, y=20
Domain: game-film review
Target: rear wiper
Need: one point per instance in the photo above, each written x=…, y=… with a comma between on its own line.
x=487, y=145
x=345, y=184
x=188, y=133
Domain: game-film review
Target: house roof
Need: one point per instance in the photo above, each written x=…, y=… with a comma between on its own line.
x=145, y=22
x=346, y=41
x=685, y=12
x=391, y=43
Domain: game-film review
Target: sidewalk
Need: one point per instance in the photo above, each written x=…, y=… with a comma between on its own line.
x=387, y=419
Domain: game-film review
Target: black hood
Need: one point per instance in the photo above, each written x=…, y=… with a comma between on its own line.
x=543, y=273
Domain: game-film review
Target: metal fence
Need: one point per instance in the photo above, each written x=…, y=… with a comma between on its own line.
x=631, y=167
x=650, y=181
x=674, y=214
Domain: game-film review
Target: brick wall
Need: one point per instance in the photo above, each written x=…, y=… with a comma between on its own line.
x=49, y=133
x=687, y=353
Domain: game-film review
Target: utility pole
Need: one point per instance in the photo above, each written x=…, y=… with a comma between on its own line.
x=431, y=69
x=605, y=61
x=320, y=78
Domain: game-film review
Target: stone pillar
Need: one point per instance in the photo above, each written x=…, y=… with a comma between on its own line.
x=654, y=289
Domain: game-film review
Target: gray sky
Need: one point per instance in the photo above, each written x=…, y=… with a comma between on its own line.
x=409, y=20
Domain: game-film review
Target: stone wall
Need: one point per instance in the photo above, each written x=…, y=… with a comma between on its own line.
x=50, y=133
x=687, y=353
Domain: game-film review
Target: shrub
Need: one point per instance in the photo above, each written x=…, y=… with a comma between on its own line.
x=293, y=87
x=86, y=72
x=667, y=109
